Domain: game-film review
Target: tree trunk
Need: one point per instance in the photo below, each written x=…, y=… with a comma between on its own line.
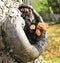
x=26, y=1
x=14, y=40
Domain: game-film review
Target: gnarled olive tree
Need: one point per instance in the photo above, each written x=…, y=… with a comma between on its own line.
x=15, y=39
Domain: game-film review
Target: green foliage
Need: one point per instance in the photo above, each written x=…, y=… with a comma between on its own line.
x=42, y=6
x=35, y=4
x=39, y=5
x=55, y=5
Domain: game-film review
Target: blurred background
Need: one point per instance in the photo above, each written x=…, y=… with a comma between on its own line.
x=50, y=12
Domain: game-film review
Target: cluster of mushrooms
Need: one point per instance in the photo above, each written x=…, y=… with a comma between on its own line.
x=33, y=27
x=38, y=28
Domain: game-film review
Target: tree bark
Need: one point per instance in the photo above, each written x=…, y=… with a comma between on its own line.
x=26, y=1
x=14, y=38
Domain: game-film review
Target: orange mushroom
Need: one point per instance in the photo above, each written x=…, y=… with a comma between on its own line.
x=45, y=26
x=32, y=27
x=40, y=26
x=37, y=32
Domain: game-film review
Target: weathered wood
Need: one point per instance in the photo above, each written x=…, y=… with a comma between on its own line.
x=14, y=37
x=15, y=41
x=26, y=2
x=1, y=43
x=6, y=59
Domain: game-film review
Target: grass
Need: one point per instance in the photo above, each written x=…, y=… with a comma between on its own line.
x=52, y=52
